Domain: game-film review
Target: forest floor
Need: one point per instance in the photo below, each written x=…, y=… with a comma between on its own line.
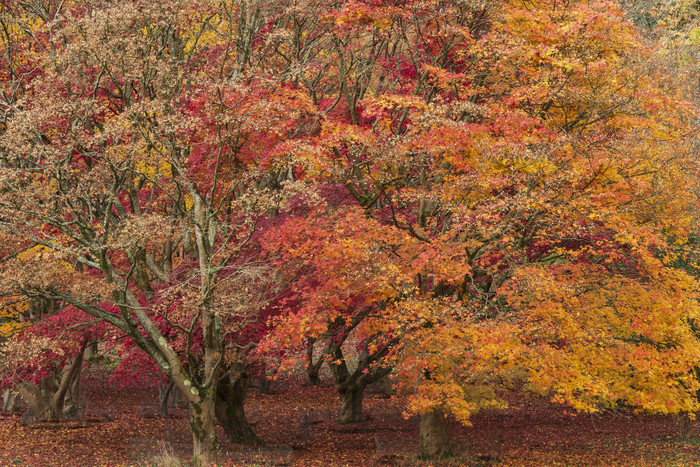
x=120, y=428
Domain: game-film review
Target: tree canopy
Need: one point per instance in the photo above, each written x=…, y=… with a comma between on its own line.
x=477, y=194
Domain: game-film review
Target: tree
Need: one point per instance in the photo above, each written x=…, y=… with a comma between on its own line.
x=505, y=179
x=42, y=362
x=344, y=268
x=579, y=181
x=138, y=159
x=542, y=160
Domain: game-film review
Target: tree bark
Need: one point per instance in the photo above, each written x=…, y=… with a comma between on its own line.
x=312, y=368
x=684, y=425
x=313, y=376
x=203, y=435
x=230, y=410
x=350, y=388
x=91, y=350
x=351, y=403
x=168, y=396
x=201, y=400
x=383, y=385
x=47, y=401
x=435, y=439
x=32, y=395
x=9, y=397
x=164, y=391
x=73, y=394
x=68, y=378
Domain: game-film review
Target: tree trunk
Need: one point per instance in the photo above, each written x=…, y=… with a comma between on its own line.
x=47, y=401
x=9, y=397
x=164, y=397
x=91, y=350
x=312, y=373
x=72, y=399
x=383, y=385
x=314, y=378
x=684, y=424
x=230, y=411
x=312, y=368
x=351, y=396
x=435, y=439
x=203, y=434
x=32, y=395
x=68, y=378
x=48, y=387
x=350, y=387
x=265, y=380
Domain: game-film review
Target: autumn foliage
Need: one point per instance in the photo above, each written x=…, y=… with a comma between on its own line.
x=467, y=196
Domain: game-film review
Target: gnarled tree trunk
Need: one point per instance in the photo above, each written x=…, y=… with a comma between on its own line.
x=202, y=416
x=48, y=400
x=351, y=386
x=72, y=398
x=435, y=439
x=230, y=411
x=69, y=380
x=351, y=396
x=31, y=394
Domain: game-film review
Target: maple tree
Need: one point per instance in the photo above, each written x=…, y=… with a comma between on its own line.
x=134, y=161
x=342, y=277
x=557, y=268
x=543, y=162
x=12, y=312
x=42, y=362
x=471, y=194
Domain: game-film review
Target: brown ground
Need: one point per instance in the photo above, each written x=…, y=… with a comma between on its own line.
x=119, y=429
